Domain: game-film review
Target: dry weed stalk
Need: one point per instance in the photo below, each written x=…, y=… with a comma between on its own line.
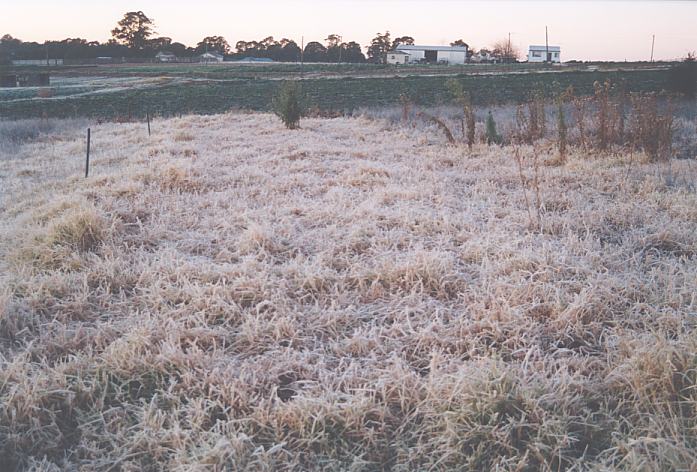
x=562, y=140
x=532, y=126
x=621, y=108
x=580, y=116
x=468, y=121
x=530, y=184
x=651, y=129
x=406, y=105
x=603, y=120
x=522, y=125
x=539, y=122
x=441, y=124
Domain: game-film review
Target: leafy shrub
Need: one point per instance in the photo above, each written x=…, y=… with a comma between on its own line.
x=288, y=104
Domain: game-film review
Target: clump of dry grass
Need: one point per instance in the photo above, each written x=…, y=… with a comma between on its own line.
x=178, y=179
x=81, y=230
x=75, y=232
x=383, y=306
x=183, y=137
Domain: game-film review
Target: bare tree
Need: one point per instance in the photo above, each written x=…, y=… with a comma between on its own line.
x=505, y=51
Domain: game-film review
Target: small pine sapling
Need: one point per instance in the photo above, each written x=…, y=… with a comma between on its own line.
x=492, y=136
x=287, y=104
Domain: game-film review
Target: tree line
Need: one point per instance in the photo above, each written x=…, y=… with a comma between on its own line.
x=135, y=36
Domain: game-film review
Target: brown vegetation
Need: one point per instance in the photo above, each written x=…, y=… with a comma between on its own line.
x=376, y=302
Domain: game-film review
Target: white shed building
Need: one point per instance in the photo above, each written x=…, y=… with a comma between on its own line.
x=165, y=56
x=211, y=56
x=434, y=54
x=397, y=57
x=544, y=54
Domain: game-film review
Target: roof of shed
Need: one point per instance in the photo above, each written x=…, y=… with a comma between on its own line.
x=416, y=47
x=544, y=48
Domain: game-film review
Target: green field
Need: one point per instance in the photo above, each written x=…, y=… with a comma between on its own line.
x=134, y=90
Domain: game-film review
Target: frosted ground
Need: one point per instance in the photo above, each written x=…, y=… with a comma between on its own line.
x=355, y=295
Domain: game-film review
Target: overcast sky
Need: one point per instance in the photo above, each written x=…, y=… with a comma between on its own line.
x=601, y=30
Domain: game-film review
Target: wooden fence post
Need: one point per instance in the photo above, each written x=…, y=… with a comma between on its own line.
x=147, y=115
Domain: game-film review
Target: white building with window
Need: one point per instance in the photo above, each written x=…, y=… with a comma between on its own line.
x=397, y=57
x=544, y=54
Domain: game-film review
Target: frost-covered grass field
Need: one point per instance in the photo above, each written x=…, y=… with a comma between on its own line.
x=354, y=295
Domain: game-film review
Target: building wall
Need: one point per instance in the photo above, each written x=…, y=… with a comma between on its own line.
x=452, y=57
x=397, y=59
x=211, y=58
x=416, y=56
x=556, y=56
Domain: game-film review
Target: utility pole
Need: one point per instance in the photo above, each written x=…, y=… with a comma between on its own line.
x=653, y=43
x=341, y=46
x=47, y=60
x=509, y=53
x=546, y=45
x=302, y=55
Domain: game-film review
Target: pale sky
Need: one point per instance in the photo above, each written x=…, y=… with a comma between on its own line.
x=586, y=30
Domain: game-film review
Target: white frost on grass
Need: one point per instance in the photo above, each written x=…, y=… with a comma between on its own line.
x=231, y=294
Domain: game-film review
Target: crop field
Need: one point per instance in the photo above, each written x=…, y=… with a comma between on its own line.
x=357, y=294
x=122, y=92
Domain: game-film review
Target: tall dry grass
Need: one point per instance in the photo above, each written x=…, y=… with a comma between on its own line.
x=353, y=295
x=609, y=122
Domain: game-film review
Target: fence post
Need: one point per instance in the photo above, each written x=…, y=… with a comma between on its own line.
x=147, y=115
x=87, y=161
